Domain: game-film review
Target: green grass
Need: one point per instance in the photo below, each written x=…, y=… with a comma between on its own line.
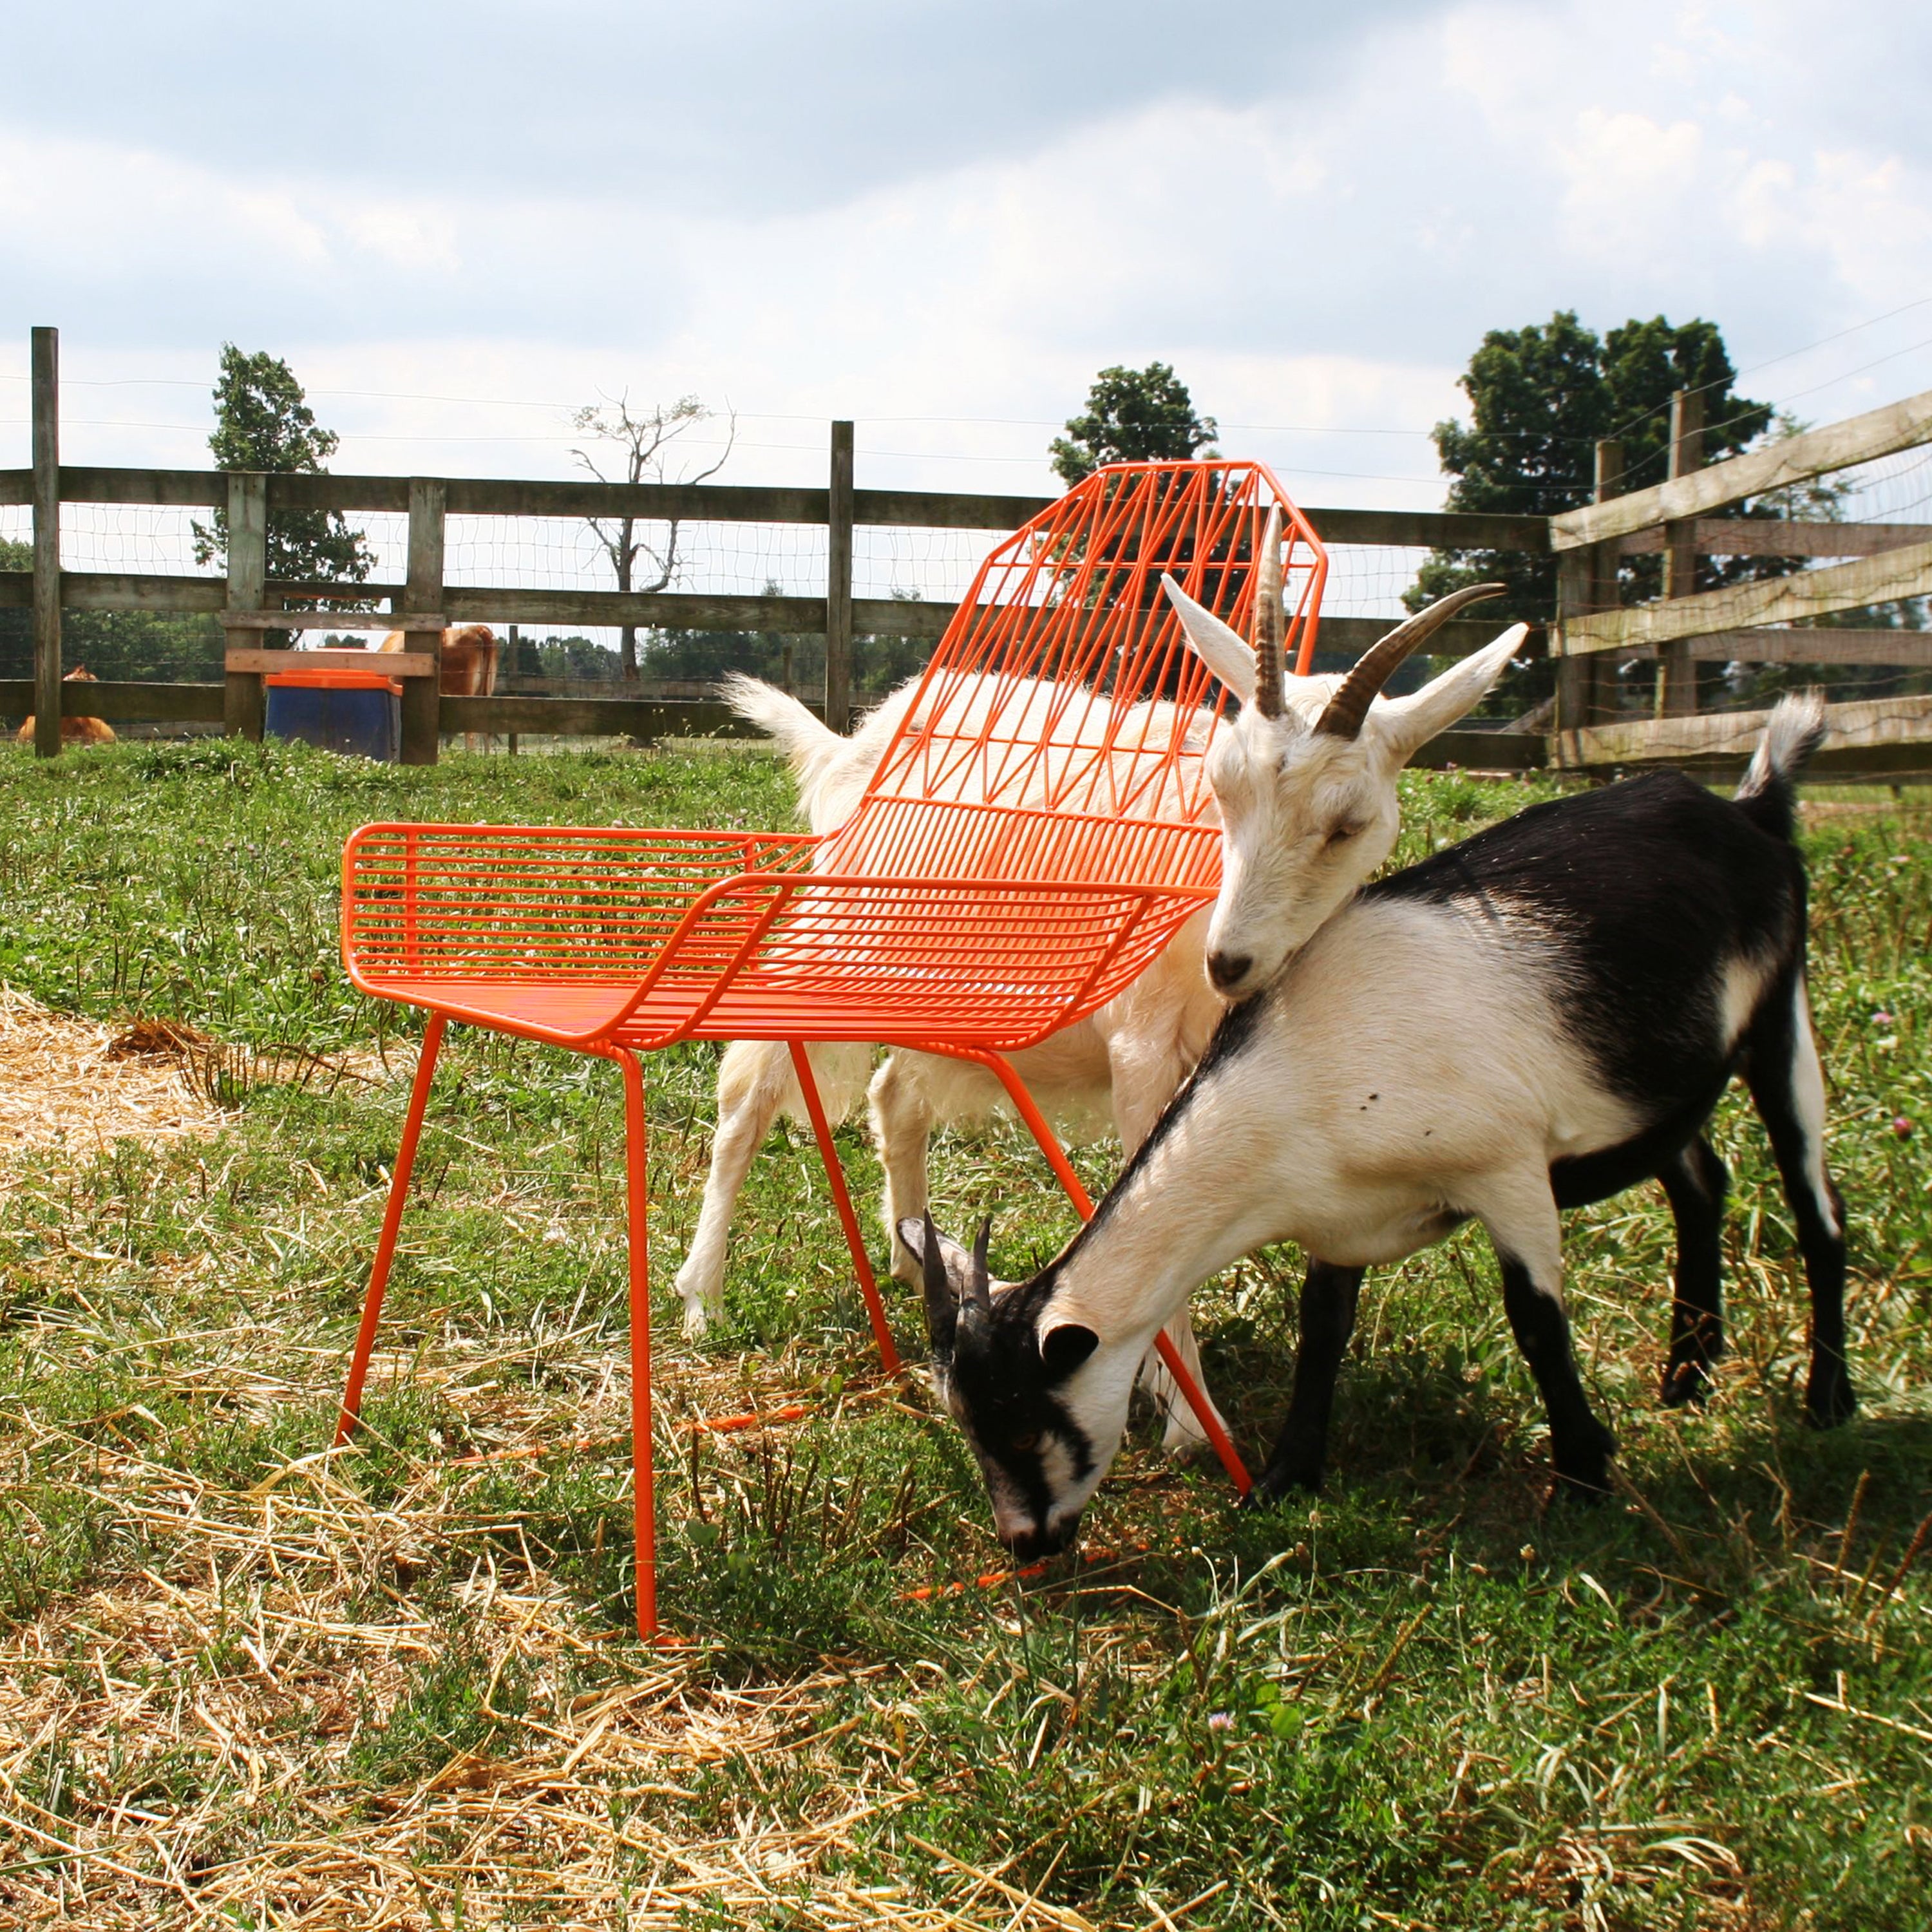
x=241, y=1681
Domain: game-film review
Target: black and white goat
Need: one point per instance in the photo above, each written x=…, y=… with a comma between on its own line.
x=1537, y=1018
x=1124, y=1062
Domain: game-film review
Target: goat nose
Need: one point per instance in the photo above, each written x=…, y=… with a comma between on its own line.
x=1228, y=969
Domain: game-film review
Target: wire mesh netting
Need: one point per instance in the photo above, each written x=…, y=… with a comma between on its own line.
x=1882, y=649
x=133, y=539
x=1879, y=649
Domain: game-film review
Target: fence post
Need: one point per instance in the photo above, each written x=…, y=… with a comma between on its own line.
x=838, y=584
x=242, y=708
x=1581, y=679
x=46, y=543
x=516, y=670
x=1572, y=674
x=1677, y=674
x=422, y=594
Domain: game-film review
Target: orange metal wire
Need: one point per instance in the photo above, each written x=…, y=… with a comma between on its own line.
x=1037, y=830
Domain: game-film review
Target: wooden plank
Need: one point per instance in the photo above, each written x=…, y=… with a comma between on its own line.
x=1821, y=647
x=105, y=590
x=1606, y=577
x=1586, y=581
x=1572, y=674
x=1735, y=734
x=596, y=717
x=1437, y=529
x=111, y=699
x=422, y=634
x=45, y=411
x=838, y=583
x=1772, y=536
x=1677, y=674
x=1900, y=425
x=718, y=503
x=1483, y=752
x=391, y=664
x=248, y=585
x=804, y=616
x=1456, y=639
x=324, y=620
x=1883, y=579
x=934, y=510
x=670, y=610
x=705, y=502
x=188, y=489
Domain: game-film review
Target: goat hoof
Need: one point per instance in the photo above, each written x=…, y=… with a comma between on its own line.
x=1273, y=1487
x=1589, y=1487
x=1684, y=1383
x=1830, y=1400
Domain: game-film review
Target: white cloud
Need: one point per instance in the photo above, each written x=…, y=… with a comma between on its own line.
x=1315, y=245
x=1629, y=178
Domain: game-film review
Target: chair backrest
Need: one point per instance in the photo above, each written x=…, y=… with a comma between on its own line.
x=1064, y=688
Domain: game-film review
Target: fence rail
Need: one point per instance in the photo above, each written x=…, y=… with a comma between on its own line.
x=1874, y=563
x=1773, y=620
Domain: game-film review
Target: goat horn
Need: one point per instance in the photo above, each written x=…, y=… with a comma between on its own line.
x=979, y=1286
x=1268, y=619
x=1346, y=710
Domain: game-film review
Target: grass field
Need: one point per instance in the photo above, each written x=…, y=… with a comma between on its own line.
x=246, y=1684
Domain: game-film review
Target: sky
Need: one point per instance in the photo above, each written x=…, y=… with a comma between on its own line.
x=459, y=223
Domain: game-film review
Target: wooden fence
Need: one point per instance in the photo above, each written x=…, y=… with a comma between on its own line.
x=1768, y=621
x=1885, y=562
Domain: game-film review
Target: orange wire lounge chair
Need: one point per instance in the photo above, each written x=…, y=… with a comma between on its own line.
x=1035, y=833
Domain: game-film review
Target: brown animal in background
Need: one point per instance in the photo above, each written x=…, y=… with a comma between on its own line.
x=74, y=730
x=468, y=660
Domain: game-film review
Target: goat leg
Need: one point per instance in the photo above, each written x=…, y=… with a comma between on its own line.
x=1328, y=1300
x=1695, y=1180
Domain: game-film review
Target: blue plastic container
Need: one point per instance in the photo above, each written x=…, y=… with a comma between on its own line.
x=354, y=711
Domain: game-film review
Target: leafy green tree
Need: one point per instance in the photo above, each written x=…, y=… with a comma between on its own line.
x=1132, y=416
x=262, y=421
x=1539, y=399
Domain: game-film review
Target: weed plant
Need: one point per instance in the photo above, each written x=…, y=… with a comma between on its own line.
x=245, y=1682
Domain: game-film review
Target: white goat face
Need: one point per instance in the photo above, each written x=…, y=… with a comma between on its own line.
x=1305, y=818
x=1306, y=780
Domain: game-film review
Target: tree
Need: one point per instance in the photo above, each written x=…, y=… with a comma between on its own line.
x=642, y=445
x=1132, y=416
x=1539, y=399
x=262, y=421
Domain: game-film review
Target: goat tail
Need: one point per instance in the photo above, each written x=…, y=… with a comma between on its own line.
x=805, y=741
x=1768, y=793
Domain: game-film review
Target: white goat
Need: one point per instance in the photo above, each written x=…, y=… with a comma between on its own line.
x=1123, y=1062
x=1537, y=1018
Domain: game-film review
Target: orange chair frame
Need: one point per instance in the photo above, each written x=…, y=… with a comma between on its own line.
x=1036, y=832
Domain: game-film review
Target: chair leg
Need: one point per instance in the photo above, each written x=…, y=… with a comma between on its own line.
x=392, y=1222
x=638, y=1209
x=842, y=1200
x=1056, y=1156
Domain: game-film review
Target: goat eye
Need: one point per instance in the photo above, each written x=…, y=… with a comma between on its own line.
x=1339, y=834
x=1025, y=1445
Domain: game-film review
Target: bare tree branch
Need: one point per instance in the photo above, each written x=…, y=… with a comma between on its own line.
x=642, y=445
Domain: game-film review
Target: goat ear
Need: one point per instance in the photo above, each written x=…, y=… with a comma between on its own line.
x=1063, y=1349
x=1405, y=725
x=1224, y=651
